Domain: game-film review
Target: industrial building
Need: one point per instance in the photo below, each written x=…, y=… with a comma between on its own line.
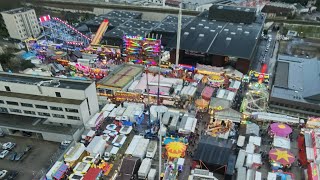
x=21, y=23
x=217, y=39
x=296, y=88
x=47, y=106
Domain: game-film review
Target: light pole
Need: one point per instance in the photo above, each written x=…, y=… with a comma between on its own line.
x=179, y=34
x=160, y=110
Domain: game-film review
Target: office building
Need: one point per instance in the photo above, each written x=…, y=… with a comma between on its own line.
x=43, y=105
x=21, y=23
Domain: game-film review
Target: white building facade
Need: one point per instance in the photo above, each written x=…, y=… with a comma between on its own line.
x=59, y=101
x=21, y=23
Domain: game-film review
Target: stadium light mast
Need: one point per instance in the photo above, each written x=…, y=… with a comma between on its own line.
x=179, y=34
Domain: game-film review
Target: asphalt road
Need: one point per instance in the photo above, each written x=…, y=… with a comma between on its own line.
x=256, y=65
x=37, y=159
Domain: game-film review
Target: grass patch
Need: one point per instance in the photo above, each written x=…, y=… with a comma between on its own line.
x=304, y=31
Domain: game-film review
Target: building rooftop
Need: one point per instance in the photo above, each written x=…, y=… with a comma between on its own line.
x=166, y=27
x=17, y=10
x=119, y=32
x=33, y=124
x=123, y=14
x=41, y=98
x=220, y=38
x=297, y=79
x=174, y=19
x=141, y=24
x=121, y=77
x=113, y=21
x=34, y=80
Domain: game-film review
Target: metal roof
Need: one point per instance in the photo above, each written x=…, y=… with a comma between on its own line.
x=220, y=38
x=141, y=24
x=119, y=32
x=123, y=14
x=302, y=78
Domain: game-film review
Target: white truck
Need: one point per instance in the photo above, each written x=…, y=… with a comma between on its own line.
x=141, y=150
x=152, y=174
x=152, y=149
x=111, y=150
x=134, y=143
x=144, y=168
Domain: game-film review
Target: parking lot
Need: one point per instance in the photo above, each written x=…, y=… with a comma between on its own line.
x=33, y=162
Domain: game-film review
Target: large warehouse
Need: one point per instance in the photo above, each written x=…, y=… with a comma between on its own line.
x=296, y=88
x=215, y=39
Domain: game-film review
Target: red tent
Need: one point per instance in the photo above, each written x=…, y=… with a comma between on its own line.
x=92, y=173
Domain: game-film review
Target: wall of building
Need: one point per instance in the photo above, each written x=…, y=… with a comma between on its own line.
x=11, y=26
x=56, y=137
x=91, y=100
x=26, y=111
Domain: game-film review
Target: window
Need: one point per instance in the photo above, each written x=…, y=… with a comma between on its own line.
x=3, y=110
x=58, y=94
x=73, y=117
x=12, y=103
x=58, y=115
x=30, y=112
x=41, y=106
x=15, y=110
x=56, y=108
x=1, y=102
x=26, y=105
x=7, y=88
x=44, y=114
x=72, y=110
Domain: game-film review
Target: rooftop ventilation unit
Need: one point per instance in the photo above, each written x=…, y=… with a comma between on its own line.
x=226, y=30
x=228, y=38
x=239, y=29
x=212, y=30
x=233, y=33
x=219, y=26
x=201, y=35
x=193, y=28
x=206, y=27
x=203, y=20
x=186, y=33
x=200, y=24
x=246, y=32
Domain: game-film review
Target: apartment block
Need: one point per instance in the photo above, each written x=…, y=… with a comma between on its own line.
x=21, y=23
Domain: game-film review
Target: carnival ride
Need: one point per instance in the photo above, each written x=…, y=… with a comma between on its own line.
x=256, y=99
x=60, y=31
x=140, y=50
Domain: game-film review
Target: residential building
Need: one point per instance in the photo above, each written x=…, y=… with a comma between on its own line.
x=296, y=88
x=21, y=23
x=45, y=104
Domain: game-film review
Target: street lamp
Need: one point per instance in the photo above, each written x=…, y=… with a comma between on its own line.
x=160, y=110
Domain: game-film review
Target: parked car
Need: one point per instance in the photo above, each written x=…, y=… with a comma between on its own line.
x=3, y=154
x=13, y=156
x=3, y=173
x=19, y=156
x=2, y=134
x=27, y=149
x=8, y=145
